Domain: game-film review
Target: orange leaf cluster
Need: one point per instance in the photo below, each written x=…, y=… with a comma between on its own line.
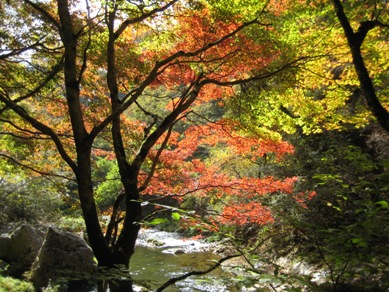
x=303, y=197
x=241, y=214
x=224, y=133
x=181, y=173
x=205, y=50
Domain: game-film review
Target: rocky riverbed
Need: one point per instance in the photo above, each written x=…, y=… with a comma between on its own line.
x=162, y=255
x=159, y=256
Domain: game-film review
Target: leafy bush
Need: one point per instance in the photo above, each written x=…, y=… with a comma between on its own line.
x=29, y=199
x=72, y=224
x=15, y=285
x=344, y=227
x=106, y=172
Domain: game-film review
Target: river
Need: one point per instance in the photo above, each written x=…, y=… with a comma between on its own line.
x=161, y=255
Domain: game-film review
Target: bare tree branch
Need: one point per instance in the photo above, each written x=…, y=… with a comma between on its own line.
x=42, y=173
x=44, y=13
x=129, y=21
x=156, y=159
x=85, y=55
x=42, y=128
x=16, y=52
x=215, y=266
x=355, y=40
x=55, y=70
x=258, y=77
x=188, y=97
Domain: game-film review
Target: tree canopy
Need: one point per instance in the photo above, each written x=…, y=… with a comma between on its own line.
x=75, y=73
x=115, y=101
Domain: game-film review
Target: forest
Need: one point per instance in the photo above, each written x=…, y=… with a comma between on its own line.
x=261, y=125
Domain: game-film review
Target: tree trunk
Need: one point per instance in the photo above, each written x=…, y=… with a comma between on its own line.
x=89, y=211
x=82, y=140
x=124, y=246
x=355, y=40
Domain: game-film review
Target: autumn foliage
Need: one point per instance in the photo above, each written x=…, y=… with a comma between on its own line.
x=126, y=82
x=182, y=173
x=217, y=53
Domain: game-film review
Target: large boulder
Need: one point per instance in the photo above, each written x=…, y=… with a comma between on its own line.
x=377, y=140
x=20, y=248
x=62, y=253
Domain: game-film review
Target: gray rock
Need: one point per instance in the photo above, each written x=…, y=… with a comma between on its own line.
x=20, y=248
x=61, y=253
x=4, y=245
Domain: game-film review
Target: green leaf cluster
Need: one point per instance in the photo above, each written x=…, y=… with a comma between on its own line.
x=106, y=173
x=345, y=226
x=15, y=285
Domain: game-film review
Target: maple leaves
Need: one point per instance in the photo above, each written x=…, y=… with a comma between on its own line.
x=185, y=171
x=216, y=50
x=241, y=214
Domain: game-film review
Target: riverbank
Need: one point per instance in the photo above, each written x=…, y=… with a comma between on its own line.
x=161, y=256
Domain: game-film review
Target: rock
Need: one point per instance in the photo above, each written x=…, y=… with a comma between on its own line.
x=154, y=242
x=20, y=248
x=179, y=251
x=4, y=245
x=377, y=140
x=294, y=266
x=62, y=253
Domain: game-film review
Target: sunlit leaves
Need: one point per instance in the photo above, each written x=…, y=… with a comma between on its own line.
x=194, y=165
x=155, y=73
x=246, y=10
x=324, y=92
x=241, y=214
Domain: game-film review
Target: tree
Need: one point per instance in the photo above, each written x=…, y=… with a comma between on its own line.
x=72, y=71
x=326, y=89
x=355, y=41
x=327, y=108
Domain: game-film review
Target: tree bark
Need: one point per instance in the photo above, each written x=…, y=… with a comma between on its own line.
x=89, y=211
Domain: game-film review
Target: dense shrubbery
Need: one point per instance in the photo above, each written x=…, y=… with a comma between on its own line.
x=345, y=226
x=15, y=285
x=29, y=199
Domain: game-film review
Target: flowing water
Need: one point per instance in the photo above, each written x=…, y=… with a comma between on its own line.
x=160, y=256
